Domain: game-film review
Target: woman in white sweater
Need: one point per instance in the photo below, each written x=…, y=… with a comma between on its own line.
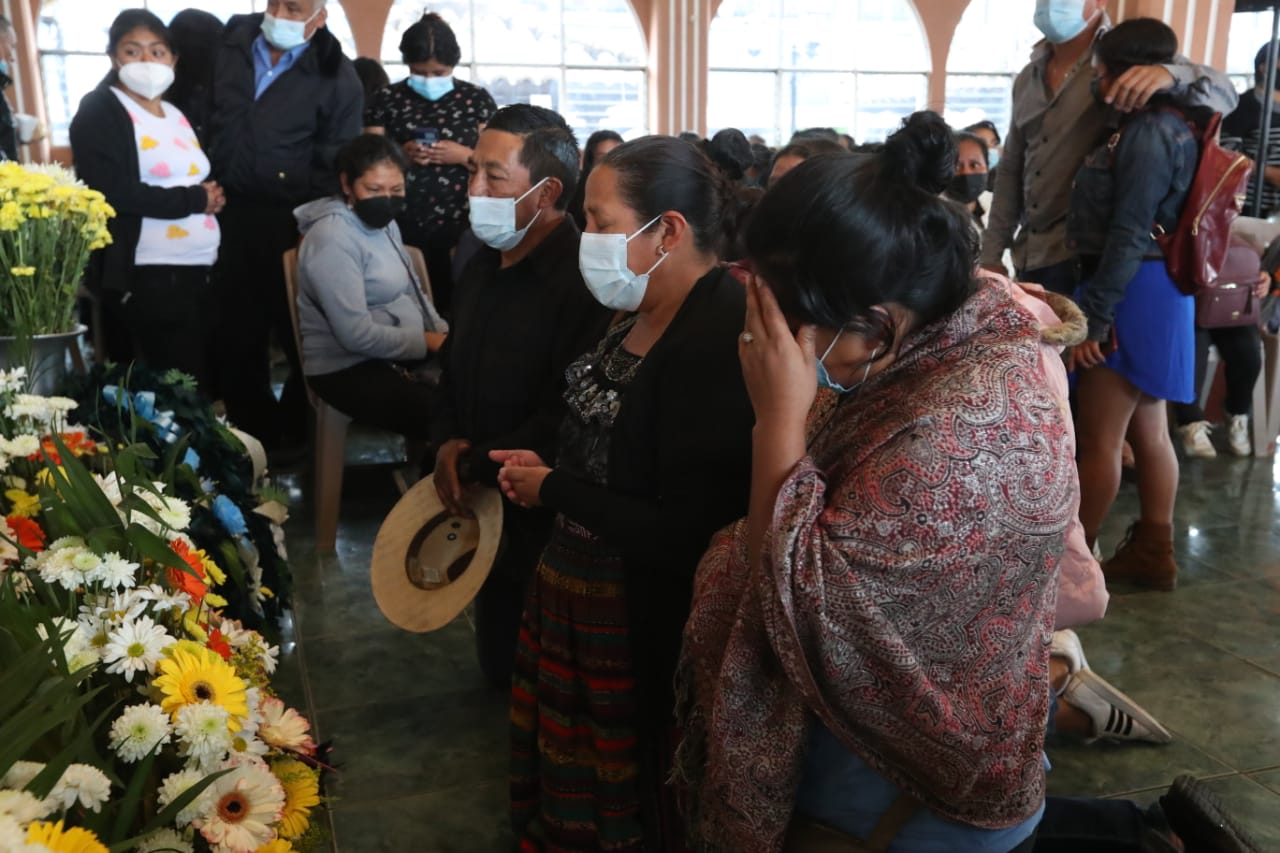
x=367, y=328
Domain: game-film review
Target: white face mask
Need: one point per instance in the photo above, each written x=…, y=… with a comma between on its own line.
x=148, y=79
x=602, y=258
x=493, y=220
x=284, y=34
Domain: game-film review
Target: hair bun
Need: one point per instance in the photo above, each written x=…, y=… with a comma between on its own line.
x=730, y=150
x=922, y=152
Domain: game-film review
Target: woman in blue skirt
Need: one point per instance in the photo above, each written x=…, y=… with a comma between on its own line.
x=1141, y=346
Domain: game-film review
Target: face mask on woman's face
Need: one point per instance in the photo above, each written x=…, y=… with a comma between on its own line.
x=431, y=88
x=967, y=188
x=824, y=378
x=1060, y=20
x=148, y=79
x=602, y=260
x=379, y=211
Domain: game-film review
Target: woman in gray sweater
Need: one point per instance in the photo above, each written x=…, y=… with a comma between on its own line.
x=365, y=323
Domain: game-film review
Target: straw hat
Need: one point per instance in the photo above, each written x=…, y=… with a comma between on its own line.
x=427, y=564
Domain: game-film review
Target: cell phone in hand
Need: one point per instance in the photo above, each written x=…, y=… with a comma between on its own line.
x=425, y=135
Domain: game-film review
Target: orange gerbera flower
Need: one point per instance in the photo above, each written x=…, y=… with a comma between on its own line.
x=77, y=442
x=219, y=644
x=195, y=585
x=28, y=533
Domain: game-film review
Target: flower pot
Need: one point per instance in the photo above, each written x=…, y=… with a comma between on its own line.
x=45, y=357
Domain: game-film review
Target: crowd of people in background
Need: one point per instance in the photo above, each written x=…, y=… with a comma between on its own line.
x=797, y=521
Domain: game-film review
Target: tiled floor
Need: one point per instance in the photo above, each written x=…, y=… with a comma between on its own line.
x=420, y=743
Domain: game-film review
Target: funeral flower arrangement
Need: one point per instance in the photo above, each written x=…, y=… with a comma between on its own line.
x=135, y=714
x=49, y=224
x=235, y=515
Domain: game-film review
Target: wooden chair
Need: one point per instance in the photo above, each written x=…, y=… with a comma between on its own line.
x=331, y=424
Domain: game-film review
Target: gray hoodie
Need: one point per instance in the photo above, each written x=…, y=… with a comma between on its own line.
x=358, y=296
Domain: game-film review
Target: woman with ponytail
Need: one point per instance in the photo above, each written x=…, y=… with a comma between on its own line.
x=654, y=457
x=867, y=652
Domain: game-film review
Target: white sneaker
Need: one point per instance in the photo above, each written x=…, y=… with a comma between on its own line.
x=1066, y=645
x=1115, y=716
x=1239, y=436
x=1195, y=440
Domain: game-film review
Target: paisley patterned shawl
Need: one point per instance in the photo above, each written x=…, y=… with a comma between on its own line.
x=906, y=597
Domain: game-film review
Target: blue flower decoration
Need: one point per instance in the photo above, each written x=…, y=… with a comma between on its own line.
x=229, y=516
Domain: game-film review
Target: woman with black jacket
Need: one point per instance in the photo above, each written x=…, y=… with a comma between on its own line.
x=143, y=155
x=654, y=457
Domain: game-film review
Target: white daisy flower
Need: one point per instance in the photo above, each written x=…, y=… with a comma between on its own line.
x=203, y=731
x=23, y=806
x=138, y=731
x=57, y=564
x=20, y=446
x=136, y=646
x=270, y=657
x=242, y=807
x=114, y=572
x=12, y=835
x=111, y=487
x=177, y=784
x=162, y=599
x=82, y=783
x=164, y=841
x=20, y=774
x=13, y=380
x=77, y=642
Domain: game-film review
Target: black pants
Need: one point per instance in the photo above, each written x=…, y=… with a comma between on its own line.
x=167, y=312
x=249, y=285
x=1239, y=347
x=377, y=393
x=1072, y=824
x=1062, y=277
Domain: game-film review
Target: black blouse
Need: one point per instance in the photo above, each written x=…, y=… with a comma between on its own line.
x=436, y=195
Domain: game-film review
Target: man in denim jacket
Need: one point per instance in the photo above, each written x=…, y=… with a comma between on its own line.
x=1056, y=123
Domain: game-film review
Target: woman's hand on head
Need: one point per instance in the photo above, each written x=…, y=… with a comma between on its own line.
x=779, y=367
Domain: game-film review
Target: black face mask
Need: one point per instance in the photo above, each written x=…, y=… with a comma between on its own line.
x=379, y=210
x=967, y=188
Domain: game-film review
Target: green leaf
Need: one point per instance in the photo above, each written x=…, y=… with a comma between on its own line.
x=169, y=813
x=127, y=806
x=80, y=743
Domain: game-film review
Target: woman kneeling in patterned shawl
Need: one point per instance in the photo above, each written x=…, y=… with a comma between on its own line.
x=878, y=628
x=866, y=662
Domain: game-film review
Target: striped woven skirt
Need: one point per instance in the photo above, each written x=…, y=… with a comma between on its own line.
x=575, y=756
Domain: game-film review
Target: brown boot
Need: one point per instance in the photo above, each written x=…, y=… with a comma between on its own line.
x=1145, y=558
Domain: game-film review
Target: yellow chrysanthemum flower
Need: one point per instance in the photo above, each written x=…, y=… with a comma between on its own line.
x=215, y=572
x=301, y=794
x=188, y=675
x=22, y=270
x=69, y=840
x=24, y=505
x=10, y=216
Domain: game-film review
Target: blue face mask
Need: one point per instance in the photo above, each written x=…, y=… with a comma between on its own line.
x=431, y=88
x=824, y=378
x=993, y=158
x=1060, y=20
x=284, y=34
x=4, y=67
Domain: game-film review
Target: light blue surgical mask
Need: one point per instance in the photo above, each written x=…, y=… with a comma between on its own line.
x=1060, y=20
x=431, y=88
x=4, y=67
x=284, y=34
x=824, y=378
x=993, y=158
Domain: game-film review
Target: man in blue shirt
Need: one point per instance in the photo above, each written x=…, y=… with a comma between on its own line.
x=285, y=99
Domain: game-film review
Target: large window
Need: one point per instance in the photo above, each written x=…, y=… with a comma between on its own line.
x=1249, y=32
x=991, y=45
x=777, y=66
x=72, y=40
x=583, y=58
